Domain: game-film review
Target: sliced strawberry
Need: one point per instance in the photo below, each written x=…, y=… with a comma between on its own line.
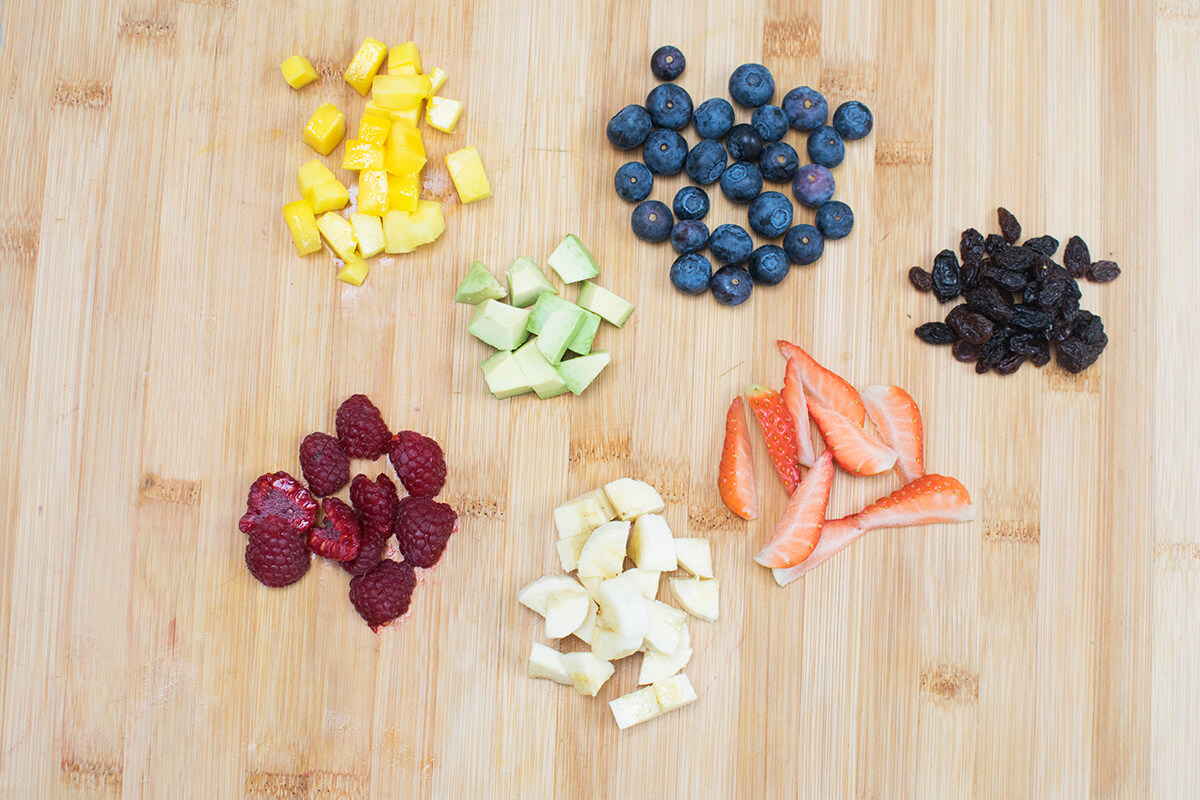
x=779, y=432
x=796, y=404
x=898, y=420
x=836, y=535
x=736, y=476
x=928, y=499
x=797, y=532
x=824, y=386
x=853, y=448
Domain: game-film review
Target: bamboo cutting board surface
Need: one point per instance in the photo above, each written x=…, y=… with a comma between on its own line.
x=163, y=345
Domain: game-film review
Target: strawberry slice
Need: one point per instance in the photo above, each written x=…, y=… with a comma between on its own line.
x=797, y=532
x=824, y=386
x=779, y=432
x=853, y=448
x=898, y=421
x=796, y=404
x=836, y=535
x=736, y=476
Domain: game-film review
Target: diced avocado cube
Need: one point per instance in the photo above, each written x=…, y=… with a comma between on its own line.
x=526, y=282
x=572, y=261
x=503, y=375
x=546, y=305
x=579, y=372
x=499, y=324
x=581, y=342
x=601, y=301
x=478, y=285
x=560, y=328
x=542, y=377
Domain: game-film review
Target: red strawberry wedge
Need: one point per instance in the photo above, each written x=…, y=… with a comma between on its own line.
x=796, y=405
x=824, y=386
x=836, y=536
x=895, y=415
x=798, y=531
x=853, y=448
x=736, y=476
x=779, y=431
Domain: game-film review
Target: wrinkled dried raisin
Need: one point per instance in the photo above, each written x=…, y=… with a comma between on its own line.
x=1026, y=344
x=994, y=243
x=969, y=274
x=991, y=302
x=965, y=351
x=921, y=280
x=1074, y=355
x=1042, y=357
x=1006, y=279
x=1046, y=245
x=975, y=328
x=970, y=246
x=1103, y=271
x=1010, y=229
x=936, y=333
x=1054, y=283
x=1076, y=257
x=1088, y=327
x=1018, y=259
x=1009, y=364
x=947, y=282
x=1030, y=318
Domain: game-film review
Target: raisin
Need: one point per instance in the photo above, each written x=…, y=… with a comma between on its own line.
x=1030, y=295
x=1089, y=328
x=1026, y=344
x=1031, y=318
x=1071, y=290
x=994, y=243
x=1006, y=279
x=947, y=282
x=1010, y=229
x=1059, y=329
x=969, y=275
x=1076, y=257
x=965, y=351
x=1042, y=357
x=991, y=302
x=1054, y=283
x=921, y=280
x=981, y=367
x=1046, y=245
x=936, y=333
x=1010, y=364
x=1069, y=308
x=1103, y=271
x=1017, y=259
x=993, y=351
x=975, y=328
x=1074, y=355
x=970, y=246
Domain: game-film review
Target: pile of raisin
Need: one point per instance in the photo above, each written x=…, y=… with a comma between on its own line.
x=1020, y=303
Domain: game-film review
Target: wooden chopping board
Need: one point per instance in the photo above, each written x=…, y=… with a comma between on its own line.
x=163, y=345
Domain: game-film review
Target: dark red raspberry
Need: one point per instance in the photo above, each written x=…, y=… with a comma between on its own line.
x=418, y=462
x=324, y=463
x=276, y=554
x=278, y=494
x=376, y=504
x=384, y=593
x=338, y=537
x=423, y=526
x=361, y=429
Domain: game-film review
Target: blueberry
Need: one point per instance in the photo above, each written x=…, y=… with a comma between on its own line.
x=667, y=63
x=769, y=264
x=813, y=185
x=731, y=285
x=805, y=108
x=705, y=162
x=713, y=118
x=751, y=85
x=741, y=182
x=652, y=221
x=629, y=127
x=670, y=106
x=633, y=181
x=770, y=122
x=689, y=235
x=730, y=244
x=825, y=147
x=691, y=202
x=664, y=151
x=770, y=214
x=853, y=120
x=743, y=143
x=803, y=244
x=691, y=273
x=778, y=162
x=835, y=219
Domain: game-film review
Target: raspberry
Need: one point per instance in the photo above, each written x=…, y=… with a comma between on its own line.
x=423, y=526
x=419, y=463
x=384, y=593
x=361, y=429
x=324, y=463
x=376, y=504
x=276, y=554
x=278, y=494
x=338, y=537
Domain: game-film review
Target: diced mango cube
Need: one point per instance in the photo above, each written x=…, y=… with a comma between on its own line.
x=325, y=129
x=366, y=62
x=409, y=116
x=312, y=174
x=355, y=271
x=328, y=195
x=362, y=155
x=466, y=170
x=406, y=232
x=403, y=191
x=404, y=69
x=437, y=79
x=374, y=128
x=408, y=136
x=399, y=91
x=406, y=53
x=442, y=114
x=298, y=71
x=339, y=233
x=398, y=159
x=303, y=224
x=373, y=192
x=369, y=232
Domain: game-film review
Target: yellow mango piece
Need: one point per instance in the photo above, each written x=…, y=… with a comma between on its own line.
x=298, y=71
x=408, y=136
x=442, y=114
x=339, y=233
x=373, y=192
x=402, y=54
x=403, y=191
x=325, y=129
x=303, y=224
x=328, y=195
x=399, y=159
x=374, y=128
x=437, y=79
x=362, y=155
x=365, y=64
x=399, y=91
x=406, y=232
x=312, y=174
x=355, y=271
x=368, y=231
x=403, y=69
x=467, y=172
x=409, y=116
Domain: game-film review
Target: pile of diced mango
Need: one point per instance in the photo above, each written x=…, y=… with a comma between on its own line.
x=388, y=156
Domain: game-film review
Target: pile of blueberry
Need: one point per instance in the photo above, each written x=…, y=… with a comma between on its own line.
x=757, y=152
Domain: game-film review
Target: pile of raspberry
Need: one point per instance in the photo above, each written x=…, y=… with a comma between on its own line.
x=282, y=524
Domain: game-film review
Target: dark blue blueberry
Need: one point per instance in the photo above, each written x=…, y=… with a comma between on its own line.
x=835, y=219
x=778, y=162
x=805, y=108
x=769, y=264
x=652, y=221
x=770, y=214
x=741, y=182
x=770, y=122
x=667, y=63
x=691, y=202
x=730, y=244
x=691, y=273
x=664, y=151
x=633, y=181
x=670, y=106
x=629, y=127
x=825, y=147
x=689, y=235
x=731, y=285
x=803, y=244
x=713, y=118
x=853, y=120
x=813, y=185
x=751, y=85
x=744, y=143
x=705, y=162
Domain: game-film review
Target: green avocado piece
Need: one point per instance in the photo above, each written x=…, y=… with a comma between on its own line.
x=572, y=261
x=581, y=342
x=478, y=285
x=503, y=375
x=499, y=324
x=526, y=282
x=539, y=373
x=546, y=305
x=560, y=328
x=579, y=372
x=601, y=301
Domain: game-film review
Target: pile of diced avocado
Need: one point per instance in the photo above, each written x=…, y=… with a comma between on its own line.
x=545, y=341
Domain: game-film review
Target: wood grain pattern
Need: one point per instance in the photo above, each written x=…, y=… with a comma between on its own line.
x=163, y=346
